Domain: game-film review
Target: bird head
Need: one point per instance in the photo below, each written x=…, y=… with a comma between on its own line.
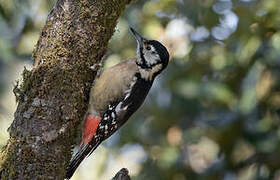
x=151, y=54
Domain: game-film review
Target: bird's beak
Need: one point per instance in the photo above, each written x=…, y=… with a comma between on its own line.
x=138, y=37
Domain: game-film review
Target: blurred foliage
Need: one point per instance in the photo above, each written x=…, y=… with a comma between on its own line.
x=213, y=114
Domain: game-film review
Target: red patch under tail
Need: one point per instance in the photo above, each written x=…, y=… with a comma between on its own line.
x=90, y=127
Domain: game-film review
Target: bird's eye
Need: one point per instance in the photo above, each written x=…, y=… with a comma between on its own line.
x=148, y=48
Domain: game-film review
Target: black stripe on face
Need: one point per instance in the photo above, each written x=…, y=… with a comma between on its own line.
x=143, y=63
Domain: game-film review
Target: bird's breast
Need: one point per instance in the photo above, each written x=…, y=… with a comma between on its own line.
x=112, y=85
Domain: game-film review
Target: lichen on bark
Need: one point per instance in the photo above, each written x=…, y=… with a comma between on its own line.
x=54, y=94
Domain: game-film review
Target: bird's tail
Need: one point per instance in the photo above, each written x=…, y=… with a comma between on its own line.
x=84, y=150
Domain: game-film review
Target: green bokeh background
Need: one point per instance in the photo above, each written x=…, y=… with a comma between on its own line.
x=213, y=114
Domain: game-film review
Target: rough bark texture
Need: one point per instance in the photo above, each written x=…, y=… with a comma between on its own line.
x=54, y=94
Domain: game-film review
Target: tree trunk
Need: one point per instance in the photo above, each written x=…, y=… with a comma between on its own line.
x=53, y=97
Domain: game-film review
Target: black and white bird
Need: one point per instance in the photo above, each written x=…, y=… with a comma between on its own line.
x=117, y=94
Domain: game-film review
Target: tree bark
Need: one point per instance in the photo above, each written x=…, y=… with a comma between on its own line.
x=53, y=97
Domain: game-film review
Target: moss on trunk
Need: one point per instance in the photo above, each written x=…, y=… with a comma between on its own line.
x=53, y=97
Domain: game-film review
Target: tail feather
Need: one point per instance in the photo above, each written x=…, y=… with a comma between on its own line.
x=85, y=150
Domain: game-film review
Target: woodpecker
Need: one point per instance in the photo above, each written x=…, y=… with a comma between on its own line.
x=117, y=93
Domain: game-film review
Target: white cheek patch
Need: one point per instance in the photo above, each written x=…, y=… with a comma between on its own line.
x=150, y=59
x=151, y=56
